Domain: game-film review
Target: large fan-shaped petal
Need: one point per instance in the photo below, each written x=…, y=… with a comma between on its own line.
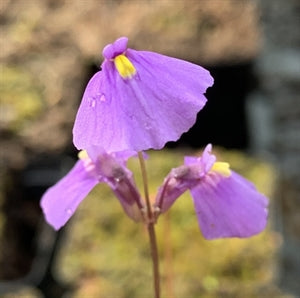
x=156, y=105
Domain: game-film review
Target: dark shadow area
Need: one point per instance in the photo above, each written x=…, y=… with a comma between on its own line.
x=30, y=246
x=223, y=119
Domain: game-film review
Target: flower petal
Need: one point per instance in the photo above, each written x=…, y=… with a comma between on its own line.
x=184, y=177
x=116, y=48
x=120, y=157
x=229, y=207
x=175, y=184
x=156, y=105
x=61, y=200
x=87, y=124
x=120, y=180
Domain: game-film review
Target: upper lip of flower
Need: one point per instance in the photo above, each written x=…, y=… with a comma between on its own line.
x=116, y=48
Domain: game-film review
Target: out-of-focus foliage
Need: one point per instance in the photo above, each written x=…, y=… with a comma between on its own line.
x=105, y=254
x=20, y=98
x=24, y=292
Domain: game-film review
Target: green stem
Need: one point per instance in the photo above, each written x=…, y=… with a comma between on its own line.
x=151, y=229
x=155, y=261
x=145, y=183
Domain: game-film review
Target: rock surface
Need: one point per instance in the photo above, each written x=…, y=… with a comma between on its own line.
x=278, y=70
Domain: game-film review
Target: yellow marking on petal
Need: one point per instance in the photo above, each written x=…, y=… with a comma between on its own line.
x=222, y=168
x=83, y=155
x=124, y=67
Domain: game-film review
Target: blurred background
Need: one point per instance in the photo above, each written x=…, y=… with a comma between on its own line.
x=50, y=49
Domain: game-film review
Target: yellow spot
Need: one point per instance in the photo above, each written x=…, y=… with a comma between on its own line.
x=124, y=67
x=222, y=168
x=83, y=155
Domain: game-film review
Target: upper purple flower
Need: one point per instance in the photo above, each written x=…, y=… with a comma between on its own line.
x=139, y=100
x=226, y=204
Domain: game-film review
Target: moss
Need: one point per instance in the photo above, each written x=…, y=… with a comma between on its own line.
x=21, y=97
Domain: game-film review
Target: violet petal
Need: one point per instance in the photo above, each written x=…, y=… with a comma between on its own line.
x=120, y=180
x=61, y=200
x=229, y=207
x=116, y=48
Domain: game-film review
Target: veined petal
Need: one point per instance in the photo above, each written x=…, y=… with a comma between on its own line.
x=206, y=161
x=87, y=124
x=120, y=179
x=155, y=104
x=229, y=207
x=129, y=198
x=61, y=200
x=175, y=184
x=193, y=78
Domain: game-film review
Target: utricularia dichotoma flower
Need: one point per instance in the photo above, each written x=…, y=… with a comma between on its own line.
x=226, y=204
x=95, y=166
x=139, y=100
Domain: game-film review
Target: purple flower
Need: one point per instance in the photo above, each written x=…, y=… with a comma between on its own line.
x=226, y=204
x=139, y=100
x=61, y=200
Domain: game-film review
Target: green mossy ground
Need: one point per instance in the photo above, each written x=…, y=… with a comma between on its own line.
x=20, y=98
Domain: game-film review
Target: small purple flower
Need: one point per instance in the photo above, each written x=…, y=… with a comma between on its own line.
x=226, y=204
x=61, y=200
x=139, y=100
